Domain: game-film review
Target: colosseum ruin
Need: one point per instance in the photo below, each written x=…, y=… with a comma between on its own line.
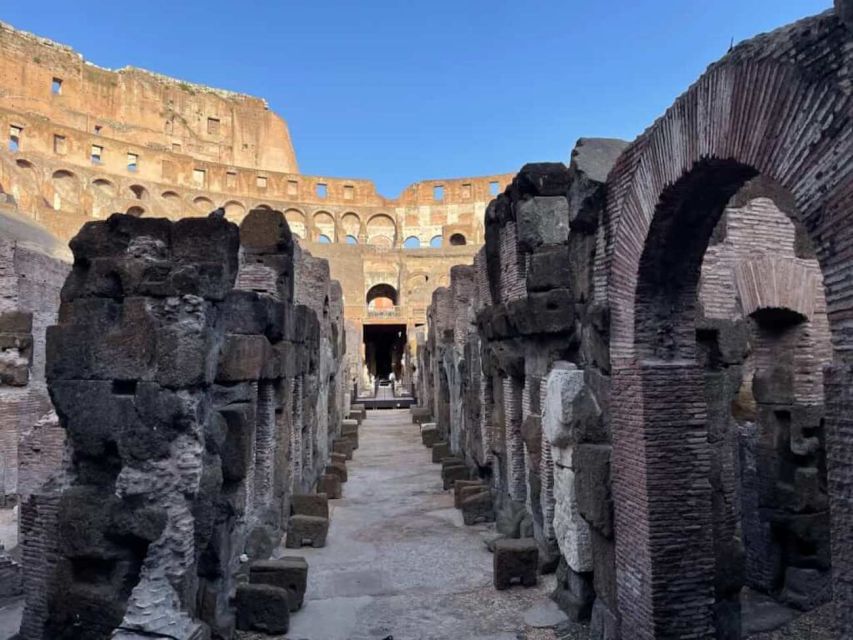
x=606, y=399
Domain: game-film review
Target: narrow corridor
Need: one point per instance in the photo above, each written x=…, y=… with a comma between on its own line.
x=399, y=562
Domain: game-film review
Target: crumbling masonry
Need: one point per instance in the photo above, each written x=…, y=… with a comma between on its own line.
x=648, y=361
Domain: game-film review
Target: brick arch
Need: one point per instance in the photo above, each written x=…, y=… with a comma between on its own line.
x=778, y=107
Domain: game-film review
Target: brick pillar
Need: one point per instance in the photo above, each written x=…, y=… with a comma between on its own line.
x=664, y=546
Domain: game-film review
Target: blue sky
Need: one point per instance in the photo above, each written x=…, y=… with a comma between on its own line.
x=398, y=91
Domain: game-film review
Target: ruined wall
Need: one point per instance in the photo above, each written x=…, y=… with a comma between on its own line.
x=180, y=395
x=533, y=334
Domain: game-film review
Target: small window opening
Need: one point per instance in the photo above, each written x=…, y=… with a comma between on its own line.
x=230, y=179
x=438, y=192
x=56, y=86
x=324, y=239
x=322, y=190
x=351, y=240
x=435, y=242
x=466, y=191
x=494, y=188
x=349, y=192
x=199, y=177
x=261, y=182
x=132, y=162
x=98, y=129
x=213, y=126
x=292, y=187
x=97, y=154
x=15, y=135
x=59, y=145
x=176, y=147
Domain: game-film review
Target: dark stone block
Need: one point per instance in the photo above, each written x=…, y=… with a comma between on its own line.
x=574, y=593
x=604, y=623
x=476, y=505
x=515, y=560
x=806, y=588
x=549, y=268
x=262, y=607
x=288, y=573
x=242, y=357
x=16, y=322
x=540, y=179
x=247, y=312
x=451, y=473
x=310, y=504
x=549, y=312
x=330, y=484
x=306, y=530
x=592, y=486
x=459, y=485
x=344, y=446
x=440, y=450
x=430, y=435
x=337, y=469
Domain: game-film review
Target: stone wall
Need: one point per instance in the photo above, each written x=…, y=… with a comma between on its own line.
x=518, y=363
x=192, y=409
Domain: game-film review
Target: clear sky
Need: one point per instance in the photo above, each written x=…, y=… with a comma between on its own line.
x=404, y=90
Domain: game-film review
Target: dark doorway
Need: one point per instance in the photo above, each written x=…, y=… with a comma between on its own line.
x=384, y=345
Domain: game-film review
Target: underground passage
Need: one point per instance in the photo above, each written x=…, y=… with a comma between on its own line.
x=601, y=399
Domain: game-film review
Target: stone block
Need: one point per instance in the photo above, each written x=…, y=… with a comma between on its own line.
x=541, y=179
x=340, y=458
x=515, y=560
x=592, y=486
x=238, y=448
x=542, y=220
x=430, y=435
x=571, y=530
x=330, y=484
x=440, y=450
x=549, y=268
x=337, y=469
x=310, y=504
x=774, y=384
x=352, y=438
x=459, y=485
x=288, y=573
x=571, y=414
x=262, y=607
x=344, y=446
x=303, y=530
x=247, y=312
x=16, y=321
x=242, y=357
x=451, y=473
x=421, y=415
x=547, y=312
x=478, y=507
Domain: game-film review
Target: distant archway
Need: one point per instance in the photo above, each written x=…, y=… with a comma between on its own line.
x=458, y=240
x=136, y=212
x=351, y=240
x=435, y=242
x=324, y=224
x=234, y=210
x=412, y=242
x=381, y=230
x=139, y=192
x=203, y=204
x=296, y=221
x=381, y=297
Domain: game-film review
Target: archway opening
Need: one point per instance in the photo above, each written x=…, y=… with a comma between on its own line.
x=412, y=242
x=384, y=346
x=381, y=298
x=727, y=367
x=435, y=242
x=458, y=240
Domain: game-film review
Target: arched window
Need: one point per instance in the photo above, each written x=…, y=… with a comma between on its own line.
x=381, y=297
x=135, y=211
x=351, y=240
x=324, y=239
x=435, y=242
x=412, y=242
x=457, y=240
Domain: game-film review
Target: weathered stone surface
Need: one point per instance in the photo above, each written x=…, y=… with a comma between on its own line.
x=430, y=434
x=344, y=446
x=310, y=504
x=476, y=505
x=262, y=607
x=440, y=451
x=571, y=530
x=288, y=573
x=515, y=560
x=542, y=221
x=451, y=473
x=592, y=486
x=330, y=484
x=571, y=413
x=303, y=529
